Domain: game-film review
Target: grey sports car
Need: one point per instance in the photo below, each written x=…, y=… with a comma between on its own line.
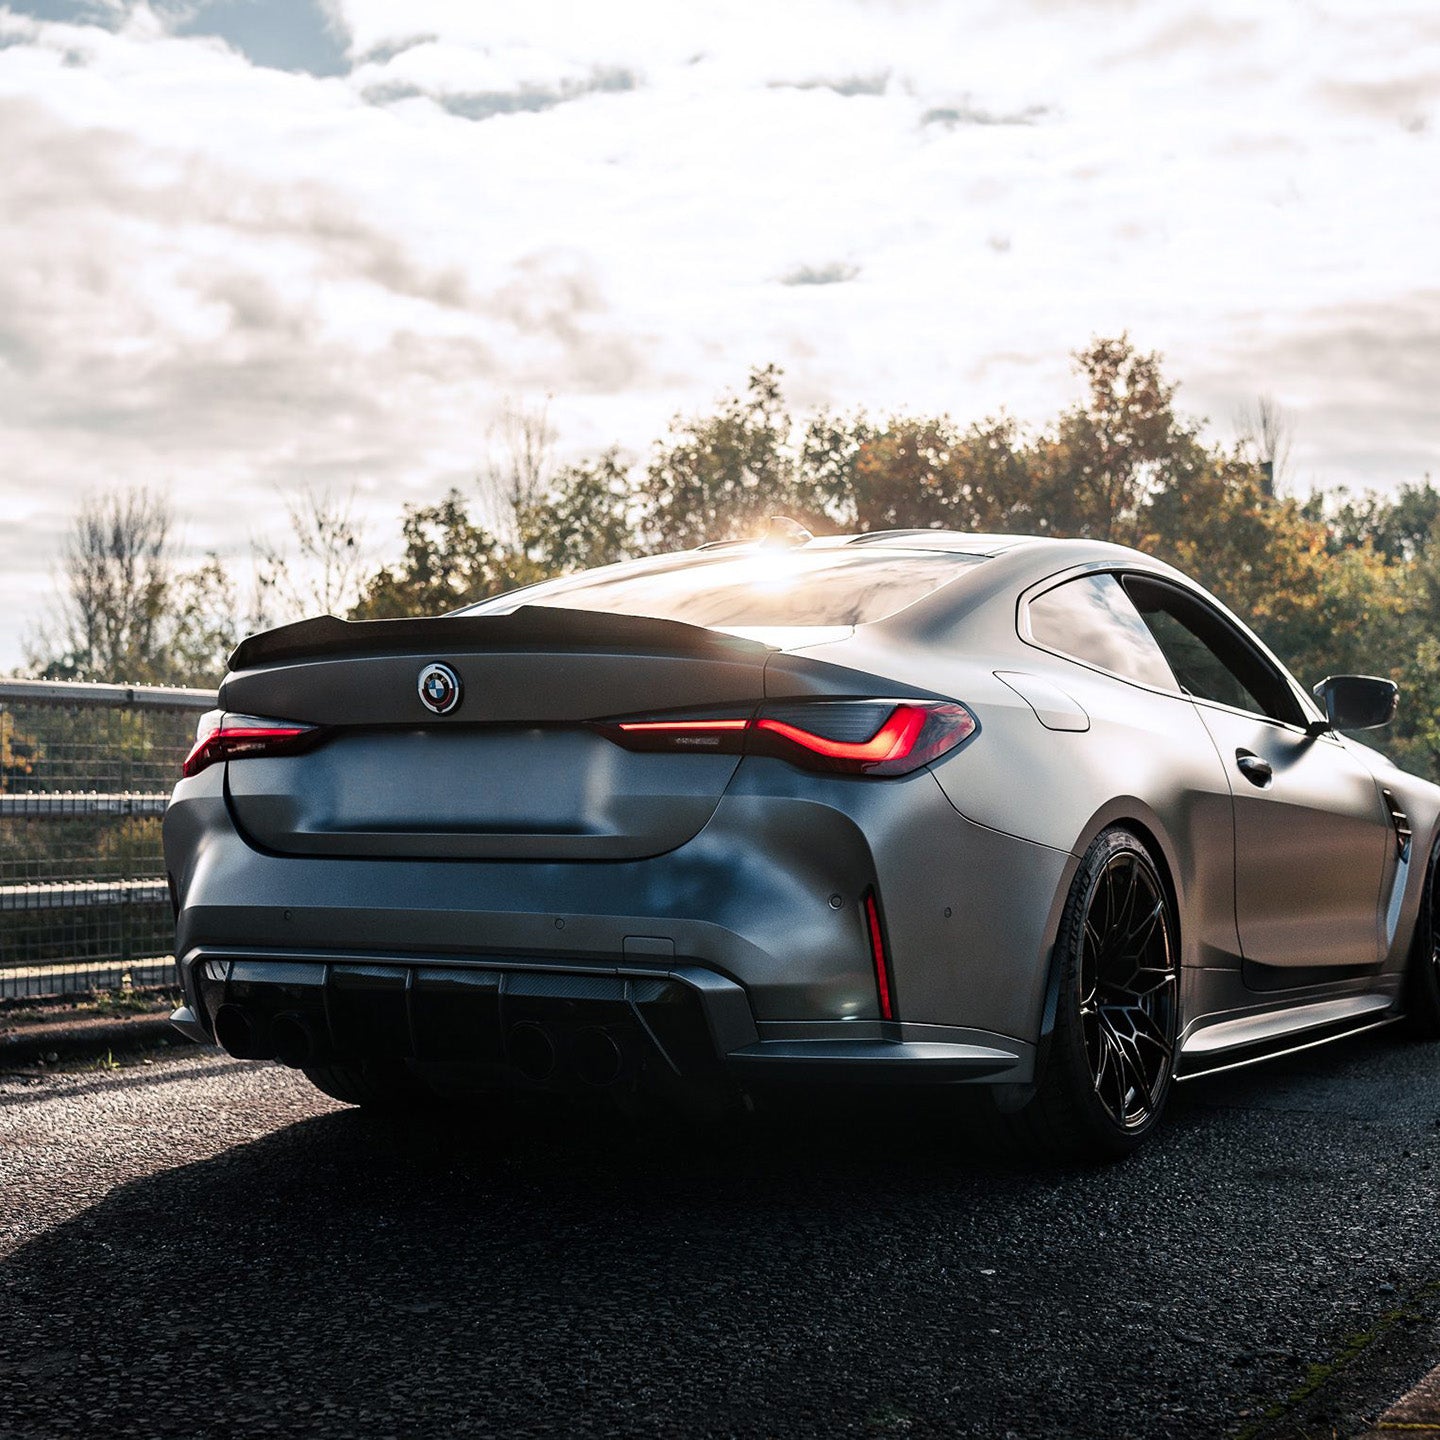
x=914, y=807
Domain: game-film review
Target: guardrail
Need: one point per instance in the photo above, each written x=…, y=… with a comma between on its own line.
x=85, y=774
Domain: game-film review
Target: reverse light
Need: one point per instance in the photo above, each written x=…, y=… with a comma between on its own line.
x=235, y=737
x=848, y=737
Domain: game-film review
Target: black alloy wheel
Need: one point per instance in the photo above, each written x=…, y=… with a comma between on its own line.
x=1106, y=1071
x=1128, y=983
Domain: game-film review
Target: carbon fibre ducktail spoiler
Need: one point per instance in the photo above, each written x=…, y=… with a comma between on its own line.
x=531, y=627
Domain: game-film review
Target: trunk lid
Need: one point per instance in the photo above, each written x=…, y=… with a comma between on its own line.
x=513, y=771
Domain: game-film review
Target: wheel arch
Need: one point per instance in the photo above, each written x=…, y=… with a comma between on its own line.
x=1129, y=813
x=1132, y=815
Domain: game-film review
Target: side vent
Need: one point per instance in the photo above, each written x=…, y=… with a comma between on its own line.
x=1401, y=821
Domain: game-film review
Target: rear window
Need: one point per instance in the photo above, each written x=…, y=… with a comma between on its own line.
x=757, y=588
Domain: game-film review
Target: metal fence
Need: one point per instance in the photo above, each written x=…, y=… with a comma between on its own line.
x=85, y=772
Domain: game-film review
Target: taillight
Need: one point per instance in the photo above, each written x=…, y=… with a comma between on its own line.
x=235, y=737
x=848, y=737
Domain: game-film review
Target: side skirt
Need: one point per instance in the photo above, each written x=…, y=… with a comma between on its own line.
x=1253, y=1038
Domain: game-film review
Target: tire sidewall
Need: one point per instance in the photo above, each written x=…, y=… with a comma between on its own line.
x=1068, y=1054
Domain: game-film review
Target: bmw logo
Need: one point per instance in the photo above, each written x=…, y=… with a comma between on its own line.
x=439, y=689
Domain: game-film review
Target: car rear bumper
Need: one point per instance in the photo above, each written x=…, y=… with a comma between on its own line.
x=551, y=1027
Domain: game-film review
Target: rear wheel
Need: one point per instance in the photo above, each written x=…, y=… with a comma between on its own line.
x=374, y=1084
x=1112, y=1053
x=1422, y=980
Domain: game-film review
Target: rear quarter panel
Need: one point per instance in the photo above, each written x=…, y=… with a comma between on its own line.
x=1146, y=760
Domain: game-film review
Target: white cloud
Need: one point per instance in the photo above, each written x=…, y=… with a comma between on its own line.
x=229, y=278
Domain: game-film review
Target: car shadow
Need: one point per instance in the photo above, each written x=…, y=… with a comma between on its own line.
x=863, y=1268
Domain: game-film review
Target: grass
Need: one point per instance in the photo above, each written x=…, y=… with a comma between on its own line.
x=1355, y=1346
x=98, y=1005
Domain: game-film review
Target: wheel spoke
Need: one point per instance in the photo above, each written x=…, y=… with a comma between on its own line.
x=1128, y=986
x=1141, y=988
x=1128, y=908
x=1138, y=937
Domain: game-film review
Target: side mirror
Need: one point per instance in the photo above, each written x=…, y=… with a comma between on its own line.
x=1357, y=702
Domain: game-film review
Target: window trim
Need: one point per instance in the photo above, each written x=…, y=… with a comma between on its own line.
x=1187, y=587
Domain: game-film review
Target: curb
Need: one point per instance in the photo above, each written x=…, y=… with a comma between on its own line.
x=69, y=1039
x=1417, y=1413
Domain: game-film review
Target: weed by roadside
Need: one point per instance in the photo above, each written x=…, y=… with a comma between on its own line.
x=96, y=1005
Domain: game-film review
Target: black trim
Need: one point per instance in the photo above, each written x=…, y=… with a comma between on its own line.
x=1401, y=821
x=531, y=627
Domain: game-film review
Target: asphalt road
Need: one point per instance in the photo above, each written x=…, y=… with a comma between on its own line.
x=204, y=1247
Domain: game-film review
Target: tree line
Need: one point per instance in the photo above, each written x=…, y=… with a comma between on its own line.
x=1333, y=582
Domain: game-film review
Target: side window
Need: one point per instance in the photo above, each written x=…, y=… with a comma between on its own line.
x=1211, y=659
x=1092, y=619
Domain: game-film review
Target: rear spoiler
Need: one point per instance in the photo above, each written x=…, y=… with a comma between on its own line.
x=531, y=627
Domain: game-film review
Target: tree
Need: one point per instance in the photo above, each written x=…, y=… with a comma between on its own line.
x=449, y=561
x=912, y=472
x=717, y=477
x=1399, y=527
x=515, y=473
x=1107, y=455
x=1266, y=432
x=202, y=625
x=321, y=573
x=585, y=519
x=112, y=602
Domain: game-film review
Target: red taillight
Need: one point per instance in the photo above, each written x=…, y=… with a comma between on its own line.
x=894, y=740
x=850, y=737
x=238, y=736
x=878, y=958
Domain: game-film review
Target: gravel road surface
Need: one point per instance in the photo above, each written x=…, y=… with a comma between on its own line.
x=203, y=1247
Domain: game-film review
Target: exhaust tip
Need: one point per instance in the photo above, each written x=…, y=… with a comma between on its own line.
x=597, y=1059
x=235, y=1032
x=531, y=1051
x=292, y=1040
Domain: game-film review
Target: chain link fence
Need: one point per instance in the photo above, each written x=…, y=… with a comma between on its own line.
x=85, y=773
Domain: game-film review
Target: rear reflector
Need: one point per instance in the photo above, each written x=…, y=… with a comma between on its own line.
x=878, y=957
x=235, y=737
x=848, y=737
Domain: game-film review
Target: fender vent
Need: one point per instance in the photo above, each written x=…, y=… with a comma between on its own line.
x=1401, y=822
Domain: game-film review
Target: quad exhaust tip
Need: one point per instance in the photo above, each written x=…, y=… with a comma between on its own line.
x=288, y=1038
x=292, y=1041
x=597, y=1059
x=593, y=1055
x=532, y=1051
x=235, y=1033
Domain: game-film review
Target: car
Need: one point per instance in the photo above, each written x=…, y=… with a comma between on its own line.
x=1037, y=820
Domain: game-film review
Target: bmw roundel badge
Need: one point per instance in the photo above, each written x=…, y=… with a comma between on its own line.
x=439, y=688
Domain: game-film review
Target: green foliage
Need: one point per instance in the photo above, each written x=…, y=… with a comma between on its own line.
x=1110, y=455
x=449, y=561
x=717, y=477
x=123, y=614
x=20, y=752
x=1338, y=583
x=586, y=518
x=202, y=627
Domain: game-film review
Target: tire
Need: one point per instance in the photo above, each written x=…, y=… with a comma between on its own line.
x=1110, y=1065
x=374, y=1085
x=1422, y=974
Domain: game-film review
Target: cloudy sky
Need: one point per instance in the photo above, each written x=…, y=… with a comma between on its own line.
x=252, y=245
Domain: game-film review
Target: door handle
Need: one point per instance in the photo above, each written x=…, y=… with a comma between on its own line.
x=1254, y=769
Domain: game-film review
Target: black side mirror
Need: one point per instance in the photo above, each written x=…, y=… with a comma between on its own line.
x=1357, y=702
